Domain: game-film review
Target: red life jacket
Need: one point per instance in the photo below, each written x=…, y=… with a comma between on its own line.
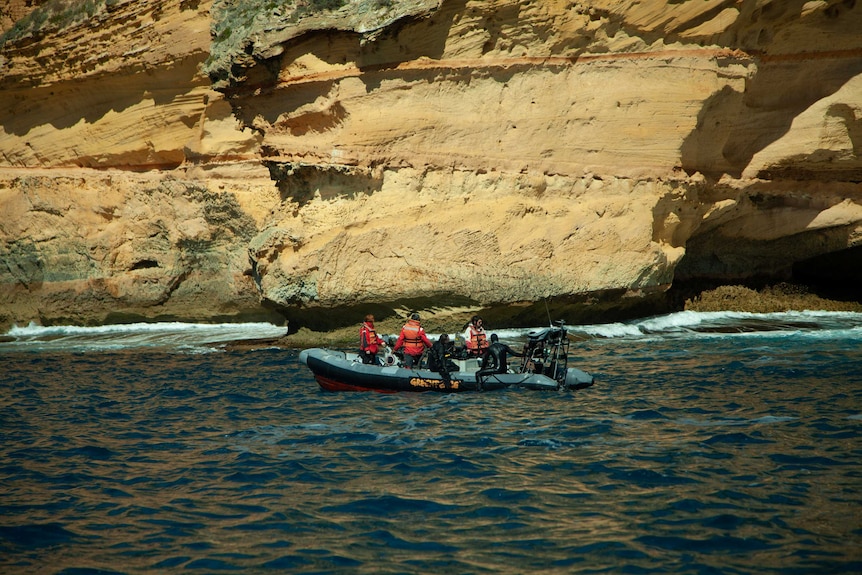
x=413, y=338
x=477, y=340
x=368, y=338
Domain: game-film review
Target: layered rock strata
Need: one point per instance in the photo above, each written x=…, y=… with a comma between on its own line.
x=464, y=153
x=128, y=189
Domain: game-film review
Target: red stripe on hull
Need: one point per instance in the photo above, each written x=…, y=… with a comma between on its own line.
x=332, y=385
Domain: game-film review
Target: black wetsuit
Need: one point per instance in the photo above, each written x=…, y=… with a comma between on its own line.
x=495, y=360
x=438, y=359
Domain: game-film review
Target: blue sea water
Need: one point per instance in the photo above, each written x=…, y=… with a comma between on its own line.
x=711, y=443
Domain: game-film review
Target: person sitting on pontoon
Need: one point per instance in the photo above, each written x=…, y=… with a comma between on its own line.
x=495, y=359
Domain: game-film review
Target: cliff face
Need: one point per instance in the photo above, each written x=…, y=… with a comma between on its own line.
x=128, y=189
x=476, y=153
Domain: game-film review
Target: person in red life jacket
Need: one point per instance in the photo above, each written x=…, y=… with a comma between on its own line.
x=475, y=338
x=414, y=341
x=369, y=341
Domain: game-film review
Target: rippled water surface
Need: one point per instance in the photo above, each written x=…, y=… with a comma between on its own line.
x=708, y=445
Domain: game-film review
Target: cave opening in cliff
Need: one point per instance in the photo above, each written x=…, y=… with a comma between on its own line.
x=835, y=275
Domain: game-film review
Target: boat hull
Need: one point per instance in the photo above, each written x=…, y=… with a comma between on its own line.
x=338, y=371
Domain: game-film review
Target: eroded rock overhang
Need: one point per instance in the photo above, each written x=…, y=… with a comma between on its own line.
x=510, y=151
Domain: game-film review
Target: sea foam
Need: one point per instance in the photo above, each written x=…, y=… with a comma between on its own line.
x=177, y=335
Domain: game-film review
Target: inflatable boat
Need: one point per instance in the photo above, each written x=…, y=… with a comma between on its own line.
x=543, y=367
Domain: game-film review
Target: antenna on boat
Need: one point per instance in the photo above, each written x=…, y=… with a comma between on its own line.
x=548, y=311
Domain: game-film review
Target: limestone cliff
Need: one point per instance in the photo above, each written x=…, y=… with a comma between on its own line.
x=202, y=160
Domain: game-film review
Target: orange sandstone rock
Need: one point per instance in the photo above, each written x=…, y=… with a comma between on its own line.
x=421, y=153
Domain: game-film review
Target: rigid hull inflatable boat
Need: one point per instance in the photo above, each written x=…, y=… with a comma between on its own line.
x=544, y=366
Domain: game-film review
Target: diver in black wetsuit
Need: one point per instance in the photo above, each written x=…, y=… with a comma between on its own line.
x=438, y=358
x=495, y=359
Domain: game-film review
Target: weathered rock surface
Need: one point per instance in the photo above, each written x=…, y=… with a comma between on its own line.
x=97, y=247
x=462, y=152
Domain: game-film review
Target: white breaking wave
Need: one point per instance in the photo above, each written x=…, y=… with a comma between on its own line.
x=196, y=337
x=710, y=324
x=177, y=335
x=727, y=323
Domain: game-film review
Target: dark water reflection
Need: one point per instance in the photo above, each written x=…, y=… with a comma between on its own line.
x=698, y=455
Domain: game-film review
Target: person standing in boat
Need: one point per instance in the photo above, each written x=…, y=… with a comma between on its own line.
x=414, y=341
x=475, y=338
x=495, y=360
x=369, y=341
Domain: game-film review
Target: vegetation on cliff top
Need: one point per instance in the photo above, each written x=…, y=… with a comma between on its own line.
x=242, y=29
x=54, y=15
